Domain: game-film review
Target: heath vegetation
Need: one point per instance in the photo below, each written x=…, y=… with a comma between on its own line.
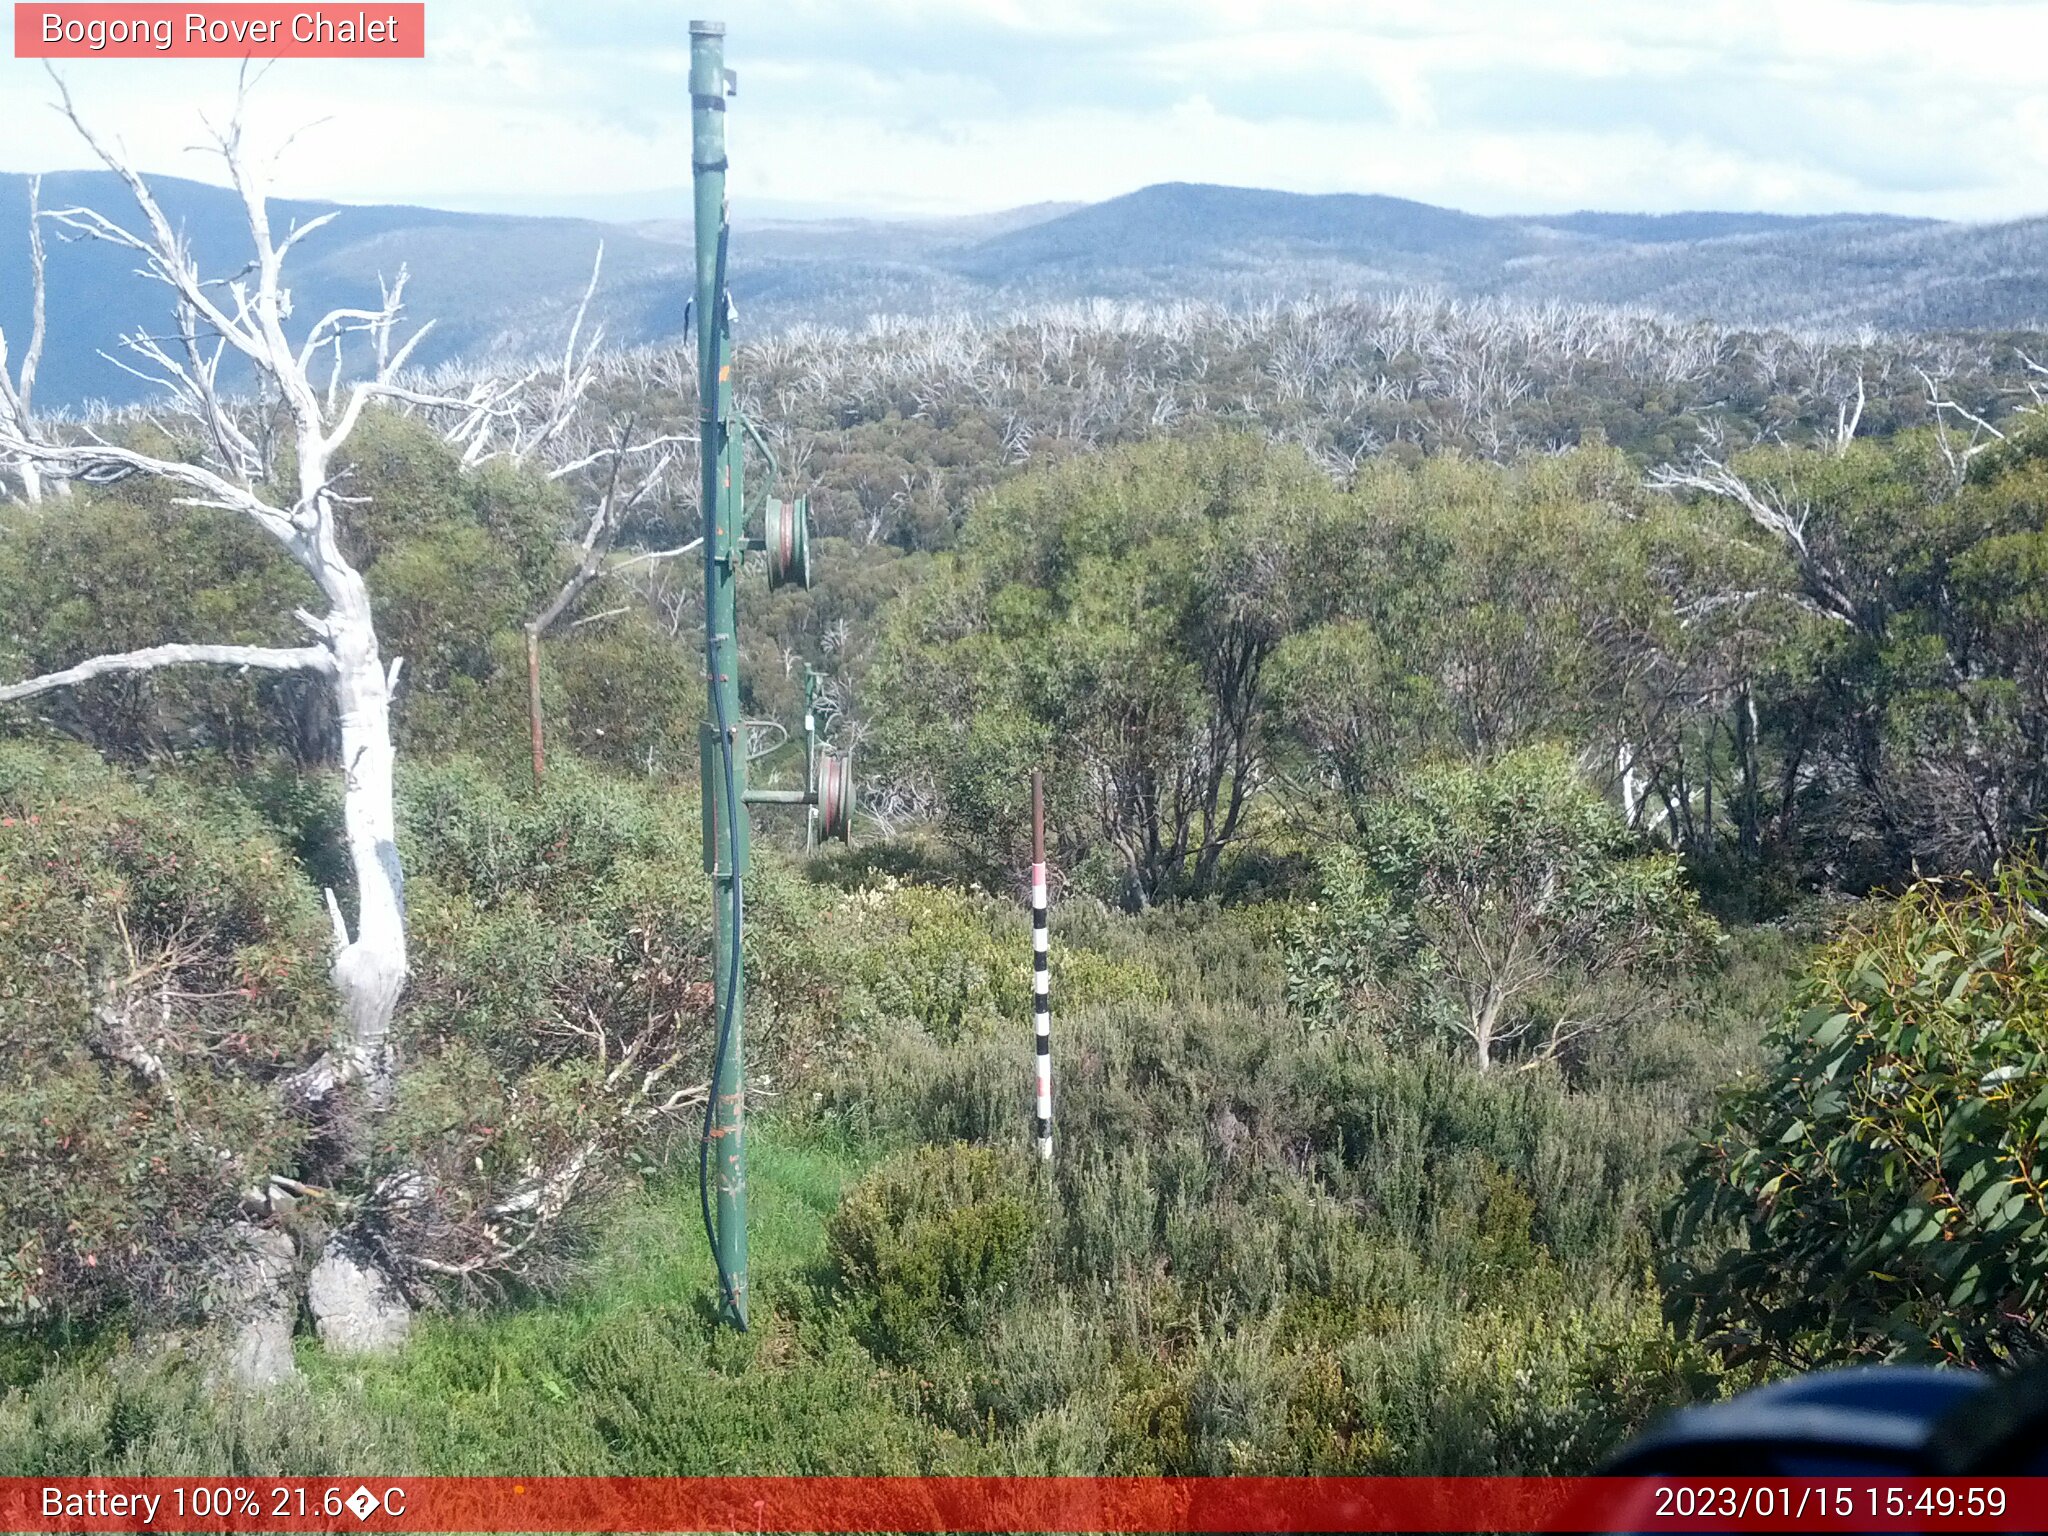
x=1547, y=926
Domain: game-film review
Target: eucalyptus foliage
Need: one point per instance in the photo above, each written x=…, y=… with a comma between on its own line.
x=1879, y=1191
x=1112, y=620
x=1505, y=902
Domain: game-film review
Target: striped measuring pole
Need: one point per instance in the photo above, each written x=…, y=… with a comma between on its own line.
x=1041, y=976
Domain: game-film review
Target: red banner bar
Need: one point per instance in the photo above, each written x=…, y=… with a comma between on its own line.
x=998, y=1504
x=379, y=29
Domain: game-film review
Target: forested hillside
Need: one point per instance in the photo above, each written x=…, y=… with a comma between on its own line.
x=502, y=289
x=1527, y=784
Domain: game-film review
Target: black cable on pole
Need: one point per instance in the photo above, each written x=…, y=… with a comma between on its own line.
x=728, y=1013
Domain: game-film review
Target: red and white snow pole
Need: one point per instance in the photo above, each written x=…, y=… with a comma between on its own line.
x=1041, y=977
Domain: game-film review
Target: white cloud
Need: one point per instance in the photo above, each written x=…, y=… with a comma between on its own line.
x=1913, y=106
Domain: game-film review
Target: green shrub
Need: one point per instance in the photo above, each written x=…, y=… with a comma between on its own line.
x=1877, y=1191
x=1507, y=903
x=156, y=1415
x=456, y=562
x=162, y=966
x=1108, y=619
x=125, y=568
x=958, y=963
x=668, y=1390
x=931, y=1240
x=939, y=958
x=561, y=931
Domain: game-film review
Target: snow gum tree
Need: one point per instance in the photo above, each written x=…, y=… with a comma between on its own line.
x=244, y=322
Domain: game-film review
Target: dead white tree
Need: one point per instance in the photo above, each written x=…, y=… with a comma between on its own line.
x=246, y=316
x=1956, y=451
x=2034, y=384
x=614, y=507
x=1847, y=416
x=1781, y=510
x=17, y=393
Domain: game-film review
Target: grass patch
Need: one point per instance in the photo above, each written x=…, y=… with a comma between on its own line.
x=629, y=1373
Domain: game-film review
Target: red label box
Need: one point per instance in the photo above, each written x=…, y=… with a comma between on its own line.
x=376, y=30
x=1137, y=1506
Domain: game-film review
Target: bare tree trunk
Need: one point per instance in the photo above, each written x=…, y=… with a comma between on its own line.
x=1707, y=793
x=17, y=396
x=1746, y=748
x=1483, y=1022
x=370, y=968
x=1631, y=784
x=606, y=519
x=370, y=964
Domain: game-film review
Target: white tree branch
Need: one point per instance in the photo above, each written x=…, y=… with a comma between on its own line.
x=100, y=462
x=652, y=555
x=157, y=657
x=168, y=256
x=598, y=455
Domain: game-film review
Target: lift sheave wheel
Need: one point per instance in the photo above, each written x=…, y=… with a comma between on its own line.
x=835, y=795
x=786, y=531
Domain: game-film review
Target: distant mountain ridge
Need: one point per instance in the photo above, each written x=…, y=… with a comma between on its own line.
x=490, y=282
x=1148, y=242
x=503, y=285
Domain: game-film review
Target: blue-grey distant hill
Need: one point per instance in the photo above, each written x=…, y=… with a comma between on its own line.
x=490, y=282
x=503, y=286
x=1178, y=225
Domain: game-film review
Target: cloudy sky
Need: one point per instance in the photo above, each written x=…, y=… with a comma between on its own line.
x=953, y=106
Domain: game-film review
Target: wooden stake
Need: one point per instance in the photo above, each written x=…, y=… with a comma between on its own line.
x=540, y=756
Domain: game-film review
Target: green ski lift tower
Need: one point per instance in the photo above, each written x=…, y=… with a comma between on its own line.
x=724, y=740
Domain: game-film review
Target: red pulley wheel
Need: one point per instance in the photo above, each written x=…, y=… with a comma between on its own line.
x=787, y=534
x=835, y=795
